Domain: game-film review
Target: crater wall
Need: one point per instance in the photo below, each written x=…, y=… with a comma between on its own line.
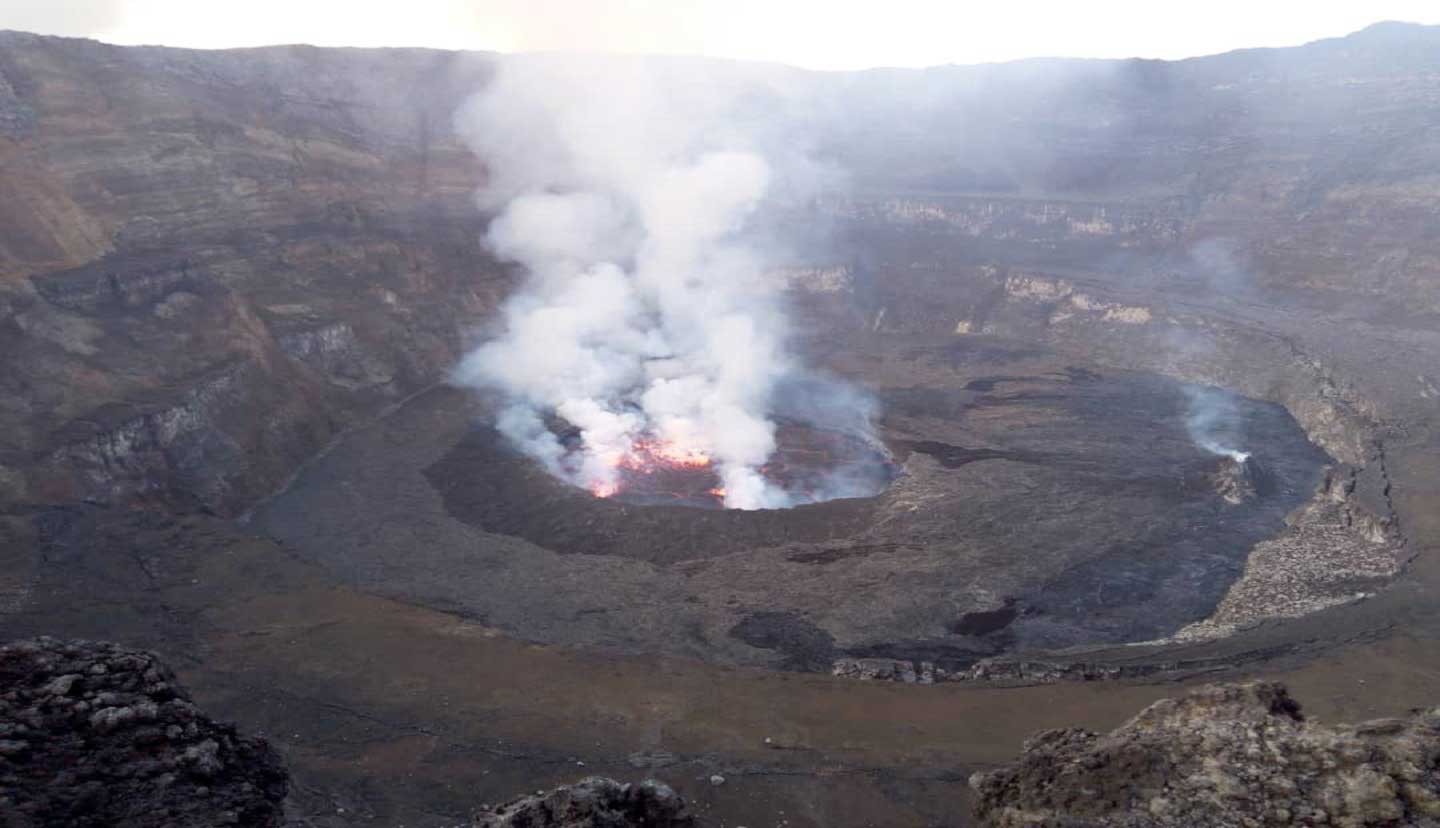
x=215, y=262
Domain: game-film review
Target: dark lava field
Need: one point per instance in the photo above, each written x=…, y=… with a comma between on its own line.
x=234, y=286
x=1065, y=506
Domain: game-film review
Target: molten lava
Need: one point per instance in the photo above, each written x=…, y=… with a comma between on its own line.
x=646, y=456
x=604, y=488
x=665, y=470
x=810, y=464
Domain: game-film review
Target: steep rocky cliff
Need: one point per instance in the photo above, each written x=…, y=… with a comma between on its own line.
x=1309, y=169
x=212, y=262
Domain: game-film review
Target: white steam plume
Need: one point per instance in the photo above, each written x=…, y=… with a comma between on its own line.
x=645, y=315
x=1214, y=423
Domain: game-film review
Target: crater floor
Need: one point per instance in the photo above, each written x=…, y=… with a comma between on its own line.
x=1039, y=504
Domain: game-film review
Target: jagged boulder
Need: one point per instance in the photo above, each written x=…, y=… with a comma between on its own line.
x=594, y=802
x=94, y=734
x=1223, y=755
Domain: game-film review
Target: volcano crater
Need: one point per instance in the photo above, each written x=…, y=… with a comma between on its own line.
x=1034, y=505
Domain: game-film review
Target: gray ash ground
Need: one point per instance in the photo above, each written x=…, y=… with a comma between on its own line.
x=1036, y=505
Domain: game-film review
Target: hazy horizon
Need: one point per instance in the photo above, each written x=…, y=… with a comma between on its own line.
x=806, y=34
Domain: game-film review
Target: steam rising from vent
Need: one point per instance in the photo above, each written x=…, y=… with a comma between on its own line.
x=646, y=324
x=1214, y=423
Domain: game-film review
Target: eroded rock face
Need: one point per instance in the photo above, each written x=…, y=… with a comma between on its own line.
x=595, y=802
x=1224, y=755
x=93, y=734
x=210, y=278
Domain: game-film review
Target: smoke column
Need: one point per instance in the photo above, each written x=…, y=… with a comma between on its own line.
x=645, y=316
x=1214, y=423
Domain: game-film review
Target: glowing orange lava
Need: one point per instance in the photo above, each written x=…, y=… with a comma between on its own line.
x=650, y=456
x=646, y=456
x=653, y=471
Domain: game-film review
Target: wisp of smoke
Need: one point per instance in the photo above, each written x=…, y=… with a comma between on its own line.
x=645, y=315
x=1214, y=423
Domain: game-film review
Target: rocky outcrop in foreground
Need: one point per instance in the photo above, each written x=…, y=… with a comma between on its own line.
x=93, y=734
x=1225, y=755
x=595, y=802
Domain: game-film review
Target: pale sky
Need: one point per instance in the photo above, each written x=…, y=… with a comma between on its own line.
x=818, y=34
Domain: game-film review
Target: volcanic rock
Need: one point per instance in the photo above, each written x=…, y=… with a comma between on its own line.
x=885, y=669
x=594, y=802
x=1224, y=755
x=1232, y=483
x=1240, y=479
x=93, y=734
